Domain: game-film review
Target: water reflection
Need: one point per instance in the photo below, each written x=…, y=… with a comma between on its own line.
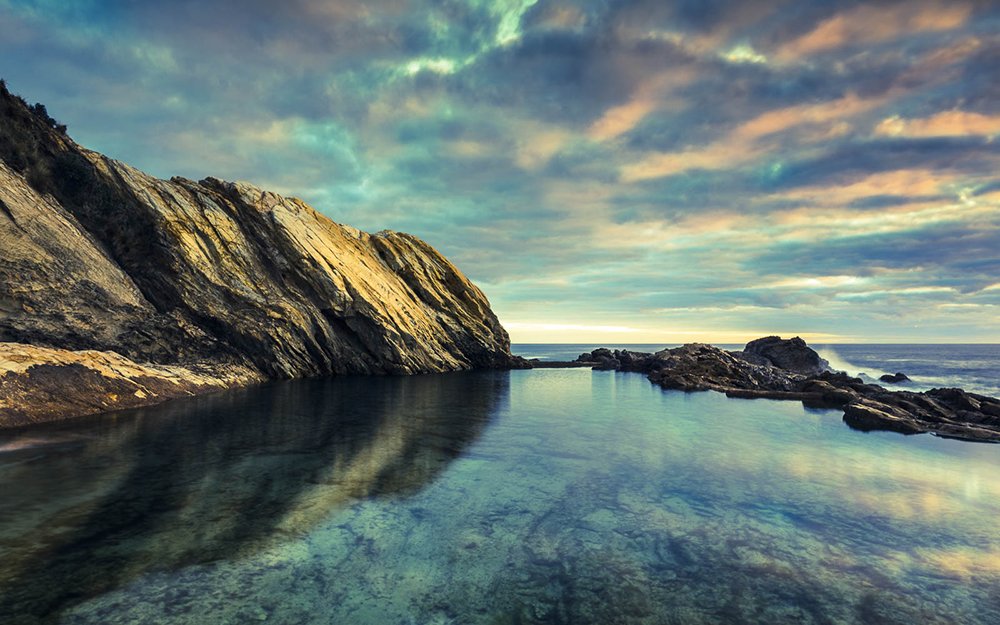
x=567, y=497
x=101, y=502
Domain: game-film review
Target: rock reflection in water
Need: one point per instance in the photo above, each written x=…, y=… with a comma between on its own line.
x=100, y=503
x=530, y=498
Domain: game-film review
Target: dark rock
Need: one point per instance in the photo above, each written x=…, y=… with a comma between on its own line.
x=946, y=412
x=894, y=378
x=958, y=398
x=789, y=354
x=596, y=356
x=699, y=367
x=604, y=359
x=607, y=364
x=519, y=362
x=867, y=415
x=756, y=374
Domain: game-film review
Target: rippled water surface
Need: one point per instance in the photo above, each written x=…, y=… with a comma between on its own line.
x=548, y=496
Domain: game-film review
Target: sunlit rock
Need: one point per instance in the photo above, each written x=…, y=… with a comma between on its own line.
x=224, y=283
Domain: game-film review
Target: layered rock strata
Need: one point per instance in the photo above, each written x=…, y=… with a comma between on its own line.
x=117, y=288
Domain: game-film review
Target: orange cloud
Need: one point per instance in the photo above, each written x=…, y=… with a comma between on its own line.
x=808, y=224
x=871, y=24
x=943, y=124
x=901, y=182
x=744, y=142
x=650, y=95
x=539, y=146
x=620, y=119
x=783, y=119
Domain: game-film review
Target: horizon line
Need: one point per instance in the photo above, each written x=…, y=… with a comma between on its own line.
x=744, y=342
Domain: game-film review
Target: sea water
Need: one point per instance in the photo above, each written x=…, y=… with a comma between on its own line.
x=544, y=496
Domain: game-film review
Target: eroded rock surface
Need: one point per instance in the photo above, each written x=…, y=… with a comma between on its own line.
x=215, y=276
x=42, y=384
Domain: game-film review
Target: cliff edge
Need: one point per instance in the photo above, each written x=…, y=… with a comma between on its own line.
x=118, y=289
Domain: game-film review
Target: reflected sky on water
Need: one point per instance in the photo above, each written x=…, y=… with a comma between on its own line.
x=549, y=496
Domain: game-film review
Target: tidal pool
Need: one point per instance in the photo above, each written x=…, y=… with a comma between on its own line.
x=548, y=496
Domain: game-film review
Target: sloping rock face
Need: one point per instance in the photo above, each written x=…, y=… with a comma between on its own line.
x=227, y=278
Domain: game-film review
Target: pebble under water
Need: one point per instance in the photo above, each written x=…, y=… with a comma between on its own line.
x=546, y=496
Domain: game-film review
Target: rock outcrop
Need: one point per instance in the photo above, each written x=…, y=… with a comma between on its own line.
x=775, y=368
x=894, y=378
x=201, y=281
x=789, y=354
x=43, y=384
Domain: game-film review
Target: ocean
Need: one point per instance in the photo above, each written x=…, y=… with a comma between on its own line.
x=536, y=497
x=975, y=367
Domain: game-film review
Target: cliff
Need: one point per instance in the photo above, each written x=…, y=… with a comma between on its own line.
x=119, y=289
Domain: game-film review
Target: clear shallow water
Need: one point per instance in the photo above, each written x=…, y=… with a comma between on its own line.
x=976, y=368
x=549, y=496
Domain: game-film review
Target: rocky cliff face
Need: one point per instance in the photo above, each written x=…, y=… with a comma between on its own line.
x=201, y=285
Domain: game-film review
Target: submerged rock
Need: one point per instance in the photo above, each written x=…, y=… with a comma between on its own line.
x=894, y=378
x=227, y=279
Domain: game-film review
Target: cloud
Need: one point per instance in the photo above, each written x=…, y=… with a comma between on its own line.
x=900, y=187
x=650, y=94
x=869, y=24
x=943, y=124
x=747, y=141
x=693, y=166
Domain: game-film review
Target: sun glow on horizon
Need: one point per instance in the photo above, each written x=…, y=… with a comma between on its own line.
x=612, y=335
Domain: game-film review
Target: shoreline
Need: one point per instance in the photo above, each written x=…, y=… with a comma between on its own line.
x=35, y=382
x=42, y=385
x=789, y=370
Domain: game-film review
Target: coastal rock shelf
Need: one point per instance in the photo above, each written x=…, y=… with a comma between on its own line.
x=775, y=368
x=119, y=289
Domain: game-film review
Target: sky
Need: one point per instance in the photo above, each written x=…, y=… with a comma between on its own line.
x=607, y=172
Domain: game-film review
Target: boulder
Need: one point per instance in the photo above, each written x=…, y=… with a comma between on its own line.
x=894, y=378
x=789, y=354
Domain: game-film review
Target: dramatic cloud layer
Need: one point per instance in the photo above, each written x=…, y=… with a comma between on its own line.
x=634, y=171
